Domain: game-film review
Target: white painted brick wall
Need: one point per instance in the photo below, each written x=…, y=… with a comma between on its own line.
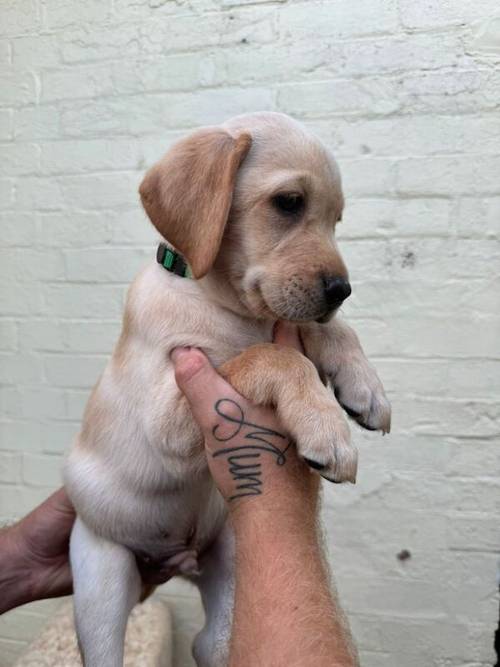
x=407, y=94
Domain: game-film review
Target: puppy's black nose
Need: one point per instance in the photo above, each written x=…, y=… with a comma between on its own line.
x=336, y=290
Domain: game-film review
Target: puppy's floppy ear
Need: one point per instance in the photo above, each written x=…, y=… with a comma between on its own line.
x=188, y=194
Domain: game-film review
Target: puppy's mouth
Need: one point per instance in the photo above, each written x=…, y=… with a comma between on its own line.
x=323, y=319
x=293, y=301
x=291, y=310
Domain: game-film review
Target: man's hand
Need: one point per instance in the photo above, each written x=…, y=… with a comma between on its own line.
x=34, y=554
x=248, y=452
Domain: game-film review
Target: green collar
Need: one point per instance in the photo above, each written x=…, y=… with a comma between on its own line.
x=172, y=261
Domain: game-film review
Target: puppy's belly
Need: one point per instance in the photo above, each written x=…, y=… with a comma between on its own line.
x=154, y=522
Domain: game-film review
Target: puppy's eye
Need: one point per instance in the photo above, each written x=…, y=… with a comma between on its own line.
x=289, y=204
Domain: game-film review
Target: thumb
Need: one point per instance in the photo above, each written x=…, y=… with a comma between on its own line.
x=286, y=333
x=200, y=383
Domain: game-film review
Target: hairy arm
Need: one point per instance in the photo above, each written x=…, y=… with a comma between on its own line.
x=286, y=612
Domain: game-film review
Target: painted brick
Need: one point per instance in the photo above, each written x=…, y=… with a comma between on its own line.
x=50, y=436
x=476, y=531
x=425, y=135
x=18, y=229
x=375, y=218
x=41, y=335
x=105, y=265
x=76, y=300
x=10, y=467
x=339, y=96
x=34, y=402
x=108, y=190
x=436, y=297
x=147, y=113
x=6, y=193
x=470, y=378
x=19, y=299
x=5, y=52
x=6, y=117
x=71, y=157
x=21, y=159
x=42, y=470
x=478, y=217
x=239, y=3
x=94, y=337
x=8, y=335
x=75, y=401
x=29, y=264
x=56, y=437
x=446, y=175
x=34, y=194
x=468, y=459
x=175, y=72
x=60, y=14
x=19, y=16
x=341, y=59
x=154, y=37
x=326, y=21
x=22, y=499
x=17, y=88
x=40, y=49
x=406, y=95
x=448, y=91
x=457, y=336
x=130, y=9
x=95, y=228
x=444, y=13
x=20, y=369
x=36, y=123
x=64, y=370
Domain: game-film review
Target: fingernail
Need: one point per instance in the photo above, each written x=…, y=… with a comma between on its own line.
x=179, y=352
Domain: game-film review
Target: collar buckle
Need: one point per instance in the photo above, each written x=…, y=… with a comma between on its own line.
x=172, y=261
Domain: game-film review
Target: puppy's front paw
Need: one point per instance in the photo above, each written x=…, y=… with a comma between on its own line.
x=361, y=394
x=323, y=441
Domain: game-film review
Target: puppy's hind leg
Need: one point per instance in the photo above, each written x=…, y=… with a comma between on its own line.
x=106, y=586
x=216, y=585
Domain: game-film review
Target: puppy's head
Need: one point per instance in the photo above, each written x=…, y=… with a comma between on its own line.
x=255, y=201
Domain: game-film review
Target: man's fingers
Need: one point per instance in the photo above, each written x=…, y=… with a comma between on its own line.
x=200, y=383
x=286, y=333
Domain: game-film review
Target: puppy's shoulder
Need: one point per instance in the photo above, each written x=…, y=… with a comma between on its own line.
x=158, y=299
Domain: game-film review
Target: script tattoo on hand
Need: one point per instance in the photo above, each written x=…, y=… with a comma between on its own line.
x=243, y=456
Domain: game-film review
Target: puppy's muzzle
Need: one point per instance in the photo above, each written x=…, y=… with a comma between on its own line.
x=335, y=290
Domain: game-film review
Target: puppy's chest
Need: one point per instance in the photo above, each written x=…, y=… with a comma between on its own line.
x=233, y=336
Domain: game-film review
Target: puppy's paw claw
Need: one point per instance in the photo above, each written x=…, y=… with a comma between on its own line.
x=315, y=465
x=361, y=394
x=327, y=450
x=321, y=467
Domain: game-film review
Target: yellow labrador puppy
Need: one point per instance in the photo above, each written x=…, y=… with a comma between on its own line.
x=251, y=207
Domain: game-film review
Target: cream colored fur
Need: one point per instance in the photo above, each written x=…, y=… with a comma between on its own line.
x=137, y=472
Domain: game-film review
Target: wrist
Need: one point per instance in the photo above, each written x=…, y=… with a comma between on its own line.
x=292, y=494
x=267, y=516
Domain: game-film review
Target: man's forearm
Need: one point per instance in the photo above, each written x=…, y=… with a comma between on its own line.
x=285, y=610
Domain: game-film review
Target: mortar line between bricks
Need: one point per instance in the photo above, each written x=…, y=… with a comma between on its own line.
x=154, y=93
x=281, y=41
x=174, y=133
x=401, y=31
